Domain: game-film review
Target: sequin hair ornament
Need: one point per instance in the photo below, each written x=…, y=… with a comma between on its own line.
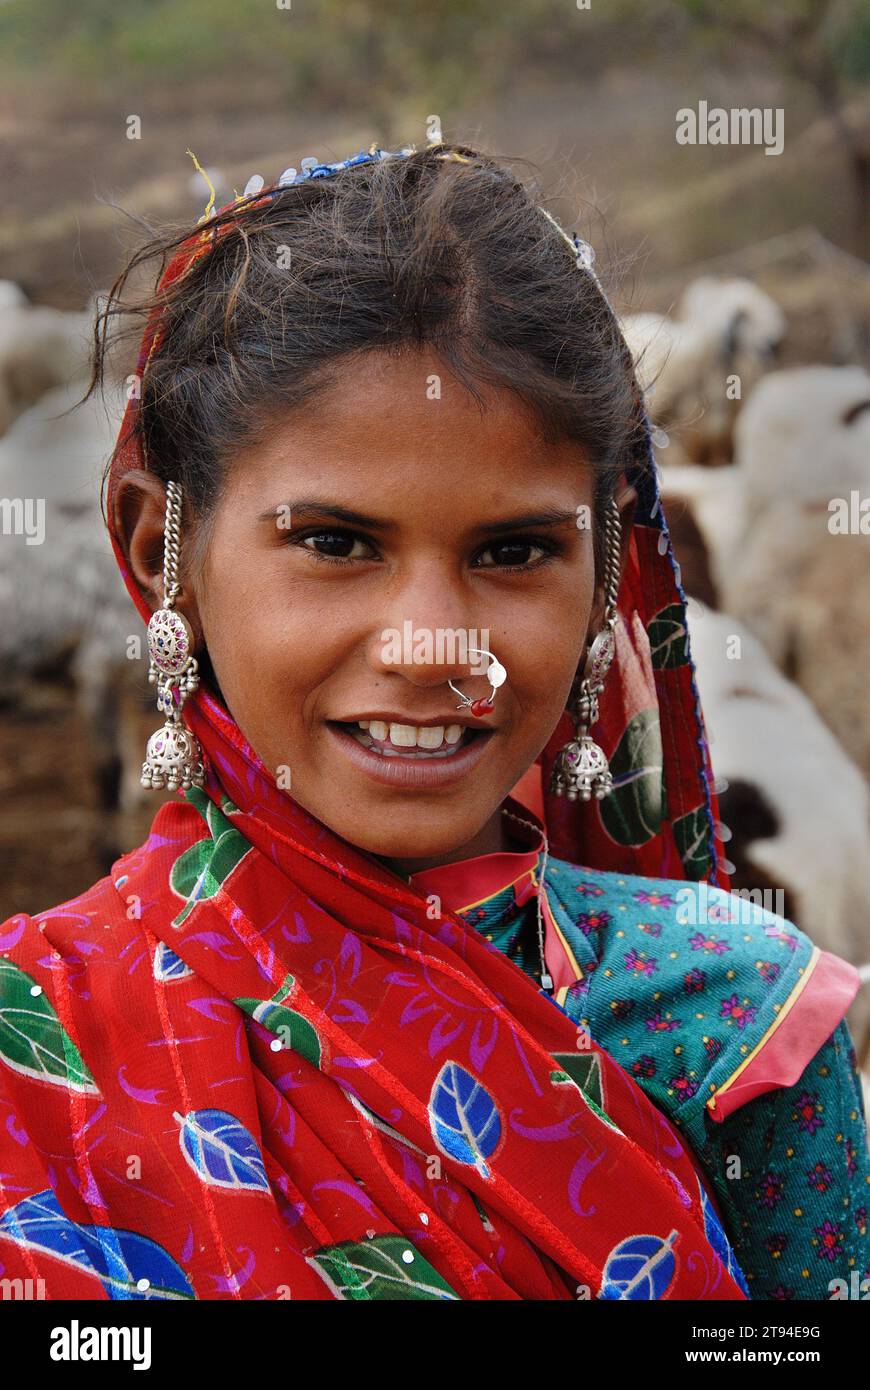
x=173, y=757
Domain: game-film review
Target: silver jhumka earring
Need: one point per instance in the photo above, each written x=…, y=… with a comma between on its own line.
x=173, y=757
x=581, y=769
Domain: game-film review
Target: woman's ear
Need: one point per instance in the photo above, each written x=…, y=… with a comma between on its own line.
x=138, y=518
x=626, y=501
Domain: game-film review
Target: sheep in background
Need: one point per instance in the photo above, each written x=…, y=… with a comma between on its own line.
x=722, y=328
x=40, y=348
x=802, y=440
x=804, y=436
x=796, y=806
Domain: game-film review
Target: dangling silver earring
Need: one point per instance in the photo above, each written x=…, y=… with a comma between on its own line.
x=581, y=768
x=173, y=757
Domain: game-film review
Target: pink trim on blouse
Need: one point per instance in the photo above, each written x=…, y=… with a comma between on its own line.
x=794, y=1038
x=806, y=1020
x=469, y=881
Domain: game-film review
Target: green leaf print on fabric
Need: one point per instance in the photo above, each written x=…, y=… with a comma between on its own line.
x=204, y=867
x=584, y=1072
x=32, y=1040
x=294, y=1030
x=692, y=832
x=667, y=638
x=379, y=1269
x=632, y=813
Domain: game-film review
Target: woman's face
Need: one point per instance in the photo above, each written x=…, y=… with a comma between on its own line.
x=381, y=509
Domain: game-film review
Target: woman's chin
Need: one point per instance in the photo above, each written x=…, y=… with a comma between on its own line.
x=420, y=836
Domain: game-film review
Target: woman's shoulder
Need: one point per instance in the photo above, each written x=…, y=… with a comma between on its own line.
x=707, y=996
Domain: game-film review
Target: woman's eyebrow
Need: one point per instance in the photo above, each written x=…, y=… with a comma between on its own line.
x=550, y=516
x=310, y=508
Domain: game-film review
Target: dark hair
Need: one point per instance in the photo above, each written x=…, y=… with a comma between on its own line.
x=391, y=255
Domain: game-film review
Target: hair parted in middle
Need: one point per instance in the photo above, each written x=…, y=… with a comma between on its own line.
x=390, y=255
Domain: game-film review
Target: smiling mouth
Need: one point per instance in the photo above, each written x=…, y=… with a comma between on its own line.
x=408, y=742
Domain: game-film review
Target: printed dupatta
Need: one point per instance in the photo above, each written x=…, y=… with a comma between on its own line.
x=336, y=1095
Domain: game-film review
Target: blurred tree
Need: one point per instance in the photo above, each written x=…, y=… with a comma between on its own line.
x=823, y=43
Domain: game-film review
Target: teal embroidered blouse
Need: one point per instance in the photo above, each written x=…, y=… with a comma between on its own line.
x=690, y=989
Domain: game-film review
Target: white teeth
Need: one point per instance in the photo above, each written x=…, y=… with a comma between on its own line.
x=403, y=735
x=409, y=741
x=410, y=735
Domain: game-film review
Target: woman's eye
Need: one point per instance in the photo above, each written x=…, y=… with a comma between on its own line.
x=338, y=546
x=516, y=554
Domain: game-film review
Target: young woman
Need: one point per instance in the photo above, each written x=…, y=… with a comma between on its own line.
x=428, y=983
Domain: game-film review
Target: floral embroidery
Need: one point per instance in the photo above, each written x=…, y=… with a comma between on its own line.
x=644, y=1066
x=662, y=1024
x=651, y=928
x=684, y=1086
x=653, y=898
x=700, y=942
x=770, y=1190
x=831, y=1240
x=819, y=1177
x=593, y=921
x=640, y=963
x=742, y=1014
x=768, y=970
x=589, y=890
x=621, y=1008
x=808, y=1113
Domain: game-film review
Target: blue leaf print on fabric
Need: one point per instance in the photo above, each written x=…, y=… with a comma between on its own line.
x=640, y=1268
x=221, y=1151
x=716, y=1235
x=464, y=1117
x=128, y=1266
x=169, y=966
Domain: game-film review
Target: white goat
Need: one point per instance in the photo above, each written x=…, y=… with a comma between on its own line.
x=40, y=348
x=63, y=599
x=796, y=806
x=722, y=329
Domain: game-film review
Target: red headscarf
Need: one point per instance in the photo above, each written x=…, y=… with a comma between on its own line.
x=330, y=1094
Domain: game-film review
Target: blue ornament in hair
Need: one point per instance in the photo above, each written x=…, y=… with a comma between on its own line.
x=312, y=168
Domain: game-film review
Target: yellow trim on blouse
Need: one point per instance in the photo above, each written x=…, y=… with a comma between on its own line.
x=781, y=1016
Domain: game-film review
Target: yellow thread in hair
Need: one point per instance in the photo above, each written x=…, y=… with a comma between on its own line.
x=210, y=204
x=561, y=230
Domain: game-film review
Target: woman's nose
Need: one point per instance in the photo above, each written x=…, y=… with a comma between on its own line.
x=430, y=655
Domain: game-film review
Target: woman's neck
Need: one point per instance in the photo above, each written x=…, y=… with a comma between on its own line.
x=493, y=838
